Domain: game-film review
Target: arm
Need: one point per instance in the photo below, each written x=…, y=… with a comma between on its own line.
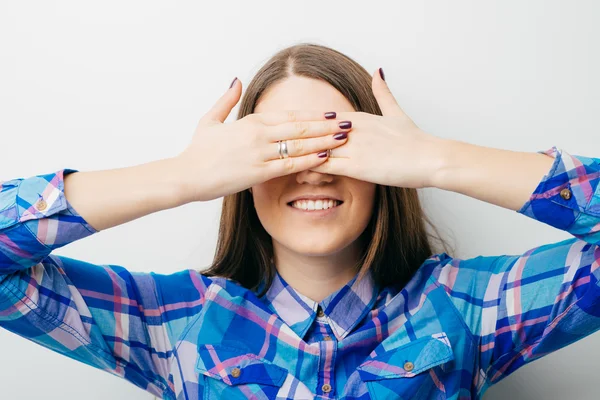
x=114, y=197
x=521, y=307
x=501, y=177
x=123, y=322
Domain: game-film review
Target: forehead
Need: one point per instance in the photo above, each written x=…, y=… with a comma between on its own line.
x=301, y=93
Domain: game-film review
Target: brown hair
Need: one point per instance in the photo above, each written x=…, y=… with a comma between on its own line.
x=395, y=242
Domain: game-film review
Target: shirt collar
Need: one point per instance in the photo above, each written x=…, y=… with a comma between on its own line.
x=343, y=309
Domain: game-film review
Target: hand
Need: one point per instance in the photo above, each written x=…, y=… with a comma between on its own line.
x=227, y=158
x=389, y=150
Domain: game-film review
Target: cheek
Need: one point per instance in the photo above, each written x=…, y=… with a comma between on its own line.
x=264, y=193
x=266, y=203
x=364, y=197
x=362, y=207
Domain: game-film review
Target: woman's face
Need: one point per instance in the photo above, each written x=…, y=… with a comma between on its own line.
x=298, y=230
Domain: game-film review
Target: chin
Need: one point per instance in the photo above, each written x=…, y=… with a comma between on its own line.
x=315, y=246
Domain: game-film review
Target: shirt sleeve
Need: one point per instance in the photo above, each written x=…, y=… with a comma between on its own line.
x=123, y=322
x=522, y=307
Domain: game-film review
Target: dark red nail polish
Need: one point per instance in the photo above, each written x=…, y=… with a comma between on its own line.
x=322, y=154
x=345, y=124
x=330, y=115
x=381, y=74
x=232, y=82
x=340, y=136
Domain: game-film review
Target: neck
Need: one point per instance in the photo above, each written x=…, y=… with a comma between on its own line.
x=316, y=277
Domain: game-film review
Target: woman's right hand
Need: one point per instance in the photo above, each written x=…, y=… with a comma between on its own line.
x=223, y=159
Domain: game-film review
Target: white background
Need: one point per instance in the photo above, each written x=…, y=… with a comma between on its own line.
x=117, y=83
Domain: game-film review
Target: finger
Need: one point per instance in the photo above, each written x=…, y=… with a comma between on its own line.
x=281, y=117
x=353, y=115
x=334, y=166
x=300, y=147
x=224, y=104
x=292, y=165
x=386, y=100
x=306, y=129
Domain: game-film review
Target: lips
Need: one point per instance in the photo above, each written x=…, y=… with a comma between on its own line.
x=316, y=196
x=316, y=213
x=316, y=208
x=340, y=202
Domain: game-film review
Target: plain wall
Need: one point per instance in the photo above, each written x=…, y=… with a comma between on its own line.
x=104, y=85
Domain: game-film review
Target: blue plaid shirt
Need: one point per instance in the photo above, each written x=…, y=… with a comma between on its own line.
x=458, y=327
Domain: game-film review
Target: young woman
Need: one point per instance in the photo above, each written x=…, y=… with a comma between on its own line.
x=324, y=284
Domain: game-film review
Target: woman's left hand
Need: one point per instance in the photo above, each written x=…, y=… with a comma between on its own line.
x=389, y=150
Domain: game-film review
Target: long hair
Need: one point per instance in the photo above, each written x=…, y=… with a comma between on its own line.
x=395, y=242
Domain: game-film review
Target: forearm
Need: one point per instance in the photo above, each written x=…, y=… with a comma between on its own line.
x=501, y=177
x=113, y=197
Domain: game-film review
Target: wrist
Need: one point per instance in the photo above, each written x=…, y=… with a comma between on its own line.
x=443, y=154
x=173, y=173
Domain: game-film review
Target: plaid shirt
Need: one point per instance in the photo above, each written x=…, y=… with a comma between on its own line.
x=459, y=326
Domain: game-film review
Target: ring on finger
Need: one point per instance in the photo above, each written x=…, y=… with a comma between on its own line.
x=282, y=149
x=328, y=153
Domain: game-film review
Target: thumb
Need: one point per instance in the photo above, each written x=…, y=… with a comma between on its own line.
x=383, y=95
x=221, y=109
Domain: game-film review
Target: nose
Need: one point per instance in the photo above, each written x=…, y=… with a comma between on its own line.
x=313, y=178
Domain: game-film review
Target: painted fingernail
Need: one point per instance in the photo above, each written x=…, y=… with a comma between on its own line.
x=381, y=74
x=322, y=154
x=233, y=82
x=340, y=136
x=345, y=124
x=330, y=115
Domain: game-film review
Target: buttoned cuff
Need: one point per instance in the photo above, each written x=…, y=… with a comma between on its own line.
x=568, y=196
x=36, y=197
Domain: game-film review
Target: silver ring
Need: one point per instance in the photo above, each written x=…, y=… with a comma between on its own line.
x=282, y=149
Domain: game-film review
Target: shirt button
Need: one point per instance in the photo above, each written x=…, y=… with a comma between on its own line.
x=327, y=338
x=320, y=312
x=236, y=372
x=41, y=205
x=408, y=366
x=565, y=194
x=326, y=388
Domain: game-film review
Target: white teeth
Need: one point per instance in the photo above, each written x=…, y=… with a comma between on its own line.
x=311, y=205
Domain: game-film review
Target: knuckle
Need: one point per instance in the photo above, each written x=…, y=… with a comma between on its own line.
x=291, y=116
x=288, y=164
x=297, y=144
x=254, y=135
x=301, y=128
x=252, y=119
x=263, y=154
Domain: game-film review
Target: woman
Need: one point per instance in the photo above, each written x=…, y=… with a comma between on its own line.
x=324, y=284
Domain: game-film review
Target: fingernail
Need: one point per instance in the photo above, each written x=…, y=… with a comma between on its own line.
x=322, y=154
x=232, y=82
x=340, y=136
x=381, y=74
x=330, y=115
x=345, y=124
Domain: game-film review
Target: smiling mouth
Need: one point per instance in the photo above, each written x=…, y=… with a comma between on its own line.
x=315, y=205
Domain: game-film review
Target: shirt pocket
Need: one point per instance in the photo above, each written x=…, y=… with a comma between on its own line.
x=233, y=373
x=414, y=370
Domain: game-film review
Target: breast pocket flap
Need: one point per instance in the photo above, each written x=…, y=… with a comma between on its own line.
x=408, y=359
x=236, y=366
